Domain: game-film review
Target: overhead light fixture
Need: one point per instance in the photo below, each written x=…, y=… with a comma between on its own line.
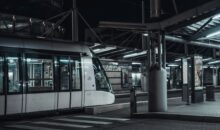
x=64, y=60
x=31, y=60
x=100, y=50
x=95, y=45
x=9, y=25
x=136, y=63
x=188, y=58
x=214, y=62
x=177, y=60
x=145, y=34
x=135, y=54
x=216, y=16
x=173, y=65
x=96, y=50
x=114, y=63
x=207, y=59
x=213, y=34
x=12, y=58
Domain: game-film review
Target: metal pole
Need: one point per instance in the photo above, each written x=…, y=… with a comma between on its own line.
x=164, y=49
x=159, y=49
x=149, y=52
x=153, y=47
x=143, y=21
x=75, y=37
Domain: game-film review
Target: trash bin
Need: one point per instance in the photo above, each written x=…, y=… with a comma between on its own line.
x=210, y=93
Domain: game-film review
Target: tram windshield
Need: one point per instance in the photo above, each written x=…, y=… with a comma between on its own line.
x=102, y=82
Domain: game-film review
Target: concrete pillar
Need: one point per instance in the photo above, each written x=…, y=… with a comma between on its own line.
x=157, y=90
x=157, y=74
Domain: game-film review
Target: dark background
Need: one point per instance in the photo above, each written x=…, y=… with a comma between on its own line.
x=93, y=10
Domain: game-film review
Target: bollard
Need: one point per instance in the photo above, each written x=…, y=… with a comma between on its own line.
x=133, y=102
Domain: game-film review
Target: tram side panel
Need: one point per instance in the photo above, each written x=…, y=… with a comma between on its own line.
x=14, y=104
x=41, y=102
x=63, y=100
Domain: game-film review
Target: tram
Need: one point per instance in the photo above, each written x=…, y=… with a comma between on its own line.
x=43, y=75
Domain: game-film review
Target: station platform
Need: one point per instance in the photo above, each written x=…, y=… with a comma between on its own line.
x=207, y=111
x=176, y=107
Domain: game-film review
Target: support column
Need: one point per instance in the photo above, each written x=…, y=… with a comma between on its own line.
x=143, y=21
x=157, y=64
x=157, y=74
x=75, y=37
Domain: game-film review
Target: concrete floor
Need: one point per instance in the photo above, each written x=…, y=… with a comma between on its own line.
x=109, y=123
x=120, y=119
x=176, y=106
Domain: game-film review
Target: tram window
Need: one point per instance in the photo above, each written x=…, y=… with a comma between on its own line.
x=1, y=75
x=76, y=75
x=14, y=85
x=102, y=82
x=40, y=74
x=64, y=73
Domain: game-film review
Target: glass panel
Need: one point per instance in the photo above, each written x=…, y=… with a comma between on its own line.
x=76, y=70
x=40, y=74
x=64, y=73
x=102, y=82
x=1, y=75
x=13, y=75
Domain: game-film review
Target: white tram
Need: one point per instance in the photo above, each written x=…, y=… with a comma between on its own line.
x=40, y=76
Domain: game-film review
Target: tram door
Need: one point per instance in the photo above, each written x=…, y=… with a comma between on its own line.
x=13, y=93
x=70, y=83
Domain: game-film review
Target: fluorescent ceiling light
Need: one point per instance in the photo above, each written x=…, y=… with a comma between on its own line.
x=173, y=65
x=12, y=58
x=31, y=60
x=214, y=62
x=135, y=54
x=213, y=34
x=216, y=16
x=10, y=25
x=96, y=50
x=114, y=63
x=100, y=50
x=136, y=63
x=64, y=60
x=95, y=45
x=206, y=59
x=146, y=34
x=178, y=60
